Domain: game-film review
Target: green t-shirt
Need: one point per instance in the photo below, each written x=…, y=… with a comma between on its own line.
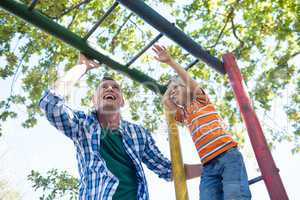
x=120, y=164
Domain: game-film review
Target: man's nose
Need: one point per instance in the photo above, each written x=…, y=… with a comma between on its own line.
x=109, y=88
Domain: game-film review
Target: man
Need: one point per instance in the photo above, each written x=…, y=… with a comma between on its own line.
x=109, y=150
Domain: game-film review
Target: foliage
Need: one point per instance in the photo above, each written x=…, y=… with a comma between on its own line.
x=7, y=192
x=55, y=185
x=264, y=35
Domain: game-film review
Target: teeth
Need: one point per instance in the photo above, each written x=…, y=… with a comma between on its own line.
x=109, y=96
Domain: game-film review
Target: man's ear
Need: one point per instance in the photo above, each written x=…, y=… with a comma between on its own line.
x=122, y=101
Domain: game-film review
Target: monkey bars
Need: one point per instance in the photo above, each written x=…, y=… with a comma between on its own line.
x=270, y=174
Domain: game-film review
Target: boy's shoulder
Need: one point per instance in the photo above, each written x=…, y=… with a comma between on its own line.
x=200, y=98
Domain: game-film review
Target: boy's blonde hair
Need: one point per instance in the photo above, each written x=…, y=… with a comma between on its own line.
x=176, y=80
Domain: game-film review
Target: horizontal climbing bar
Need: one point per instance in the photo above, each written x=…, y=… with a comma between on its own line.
x=255, y=180
x=110, y=10
x=192, y=64
x=41, y=21
x=168, y=29
x=144, y=49
x=33, y=4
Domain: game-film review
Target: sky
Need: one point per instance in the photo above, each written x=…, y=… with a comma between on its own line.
x=43, y=148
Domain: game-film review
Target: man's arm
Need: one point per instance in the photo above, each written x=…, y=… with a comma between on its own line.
x=192, y=171
x=52, y=102
x=62, y=85
x=159, y=164
x=154, y=159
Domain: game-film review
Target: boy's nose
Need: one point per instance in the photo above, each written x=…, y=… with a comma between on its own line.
x=173, y=96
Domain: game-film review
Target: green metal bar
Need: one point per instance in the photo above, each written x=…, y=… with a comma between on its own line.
x=39, y=20
x=191, y=64
x=169, y=30
x=144, y=49
x=33, y=4
x=110, y=10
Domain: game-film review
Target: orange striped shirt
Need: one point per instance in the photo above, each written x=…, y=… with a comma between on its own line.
x=206, y=128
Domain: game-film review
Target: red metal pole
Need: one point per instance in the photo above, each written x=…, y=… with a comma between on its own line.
x=263, y=155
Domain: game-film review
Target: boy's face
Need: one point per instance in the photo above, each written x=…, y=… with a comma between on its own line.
x=179, y=94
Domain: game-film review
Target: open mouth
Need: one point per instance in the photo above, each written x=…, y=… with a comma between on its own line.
x=109, y=97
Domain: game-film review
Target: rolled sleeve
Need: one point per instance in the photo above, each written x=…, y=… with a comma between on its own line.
x=155, y=160
x=61, y=116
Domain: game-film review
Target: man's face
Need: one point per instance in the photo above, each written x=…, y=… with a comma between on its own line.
x=108, y=96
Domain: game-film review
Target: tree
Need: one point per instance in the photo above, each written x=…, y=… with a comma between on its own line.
x=55, y=185
x=7, y=192
x=264, y=35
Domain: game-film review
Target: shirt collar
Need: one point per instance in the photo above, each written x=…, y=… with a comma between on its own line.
x=122, y=123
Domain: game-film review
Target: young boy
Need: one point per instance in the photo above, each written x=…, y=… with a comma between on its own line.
x=224, y=176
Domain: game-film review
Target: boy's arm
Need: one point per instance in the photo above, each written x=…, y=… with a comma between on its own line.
x=163, y=56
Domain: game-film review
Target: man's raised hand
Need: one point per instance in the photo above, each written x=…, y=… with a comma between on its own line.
x=90, y=64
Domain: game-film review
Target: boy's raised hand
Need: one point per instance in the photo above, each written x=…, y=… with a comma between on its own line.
x=161, y=54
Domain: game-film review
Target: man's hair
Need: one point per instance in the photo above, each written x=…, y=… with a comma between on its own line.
x=107, y=78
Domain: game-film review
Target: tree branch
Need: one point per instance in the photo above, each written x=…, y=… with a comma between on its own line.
x=17, y=69
x=295, y=54
x=72, y=20
x=143, y=33
x=68, y=10
x=229, y=16
x=113, y=40
x=235, y=34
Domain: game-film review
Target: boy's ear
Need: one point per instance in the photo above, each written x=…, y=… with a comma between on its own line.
x=167, y=92
x=198, y=91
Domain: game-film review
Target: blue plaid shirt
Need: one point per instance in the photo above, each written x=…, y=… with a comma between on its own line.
x=96, y=181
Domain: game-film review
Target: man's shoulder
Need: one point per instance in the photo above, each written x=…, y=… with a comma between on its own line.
x=81, y=113
x=131, y=126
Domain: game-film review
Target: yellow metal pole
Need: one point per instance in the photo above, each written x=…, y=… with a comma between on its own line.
x=179, y=177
